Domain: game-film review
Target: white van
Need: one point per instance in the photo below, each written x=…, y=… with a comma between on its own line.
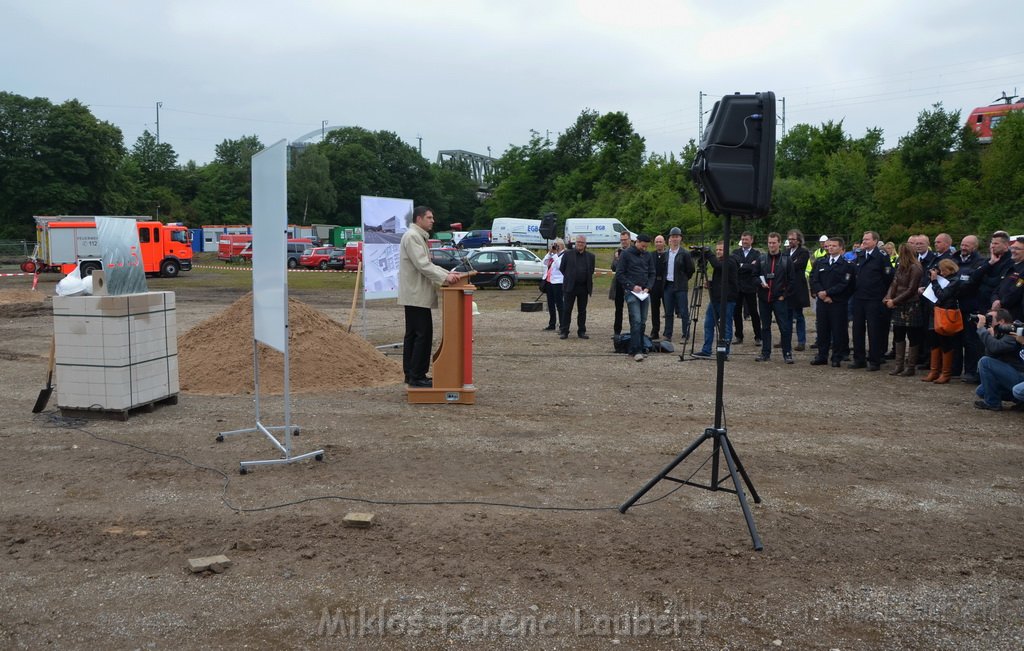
x=509, y=231
x=600, y=231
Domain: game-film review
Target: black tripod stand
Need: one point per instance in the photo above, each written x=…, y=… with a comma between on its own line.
x=700, y=275
x=716, y=434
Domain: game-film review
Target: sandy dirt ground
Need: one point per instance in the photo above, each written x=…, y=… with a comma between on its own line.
x=892, y=512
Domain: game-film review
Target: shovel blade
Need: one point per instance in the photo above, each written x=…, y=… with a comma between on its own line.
x=44, y=397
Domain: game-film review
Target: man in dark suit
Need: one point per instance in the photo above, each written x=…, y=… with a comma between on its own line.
x=748, y=258
x=777, y=281
x=832, y=284
x=927, y=259
x=801, y=298
x=968, y=260
x=679, y=268
x=658, y=290
x=615, y=292
x=577, y=269
x=872, y=279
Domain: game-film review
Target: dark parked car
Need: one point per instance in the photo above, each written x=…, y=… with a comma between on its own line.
x=447, y=258
x=337, y=259
x=495, y=268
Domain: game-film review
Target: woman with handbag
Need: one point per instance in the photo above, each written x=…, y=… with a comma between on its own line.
x=905, y=302
x=945, y=325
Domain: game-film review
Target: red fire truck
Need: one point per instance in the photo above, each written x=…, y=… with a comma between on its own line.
x=63, y=242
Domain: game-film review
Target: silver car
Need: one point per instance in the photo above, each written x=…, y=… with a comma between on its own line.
x=528, y=265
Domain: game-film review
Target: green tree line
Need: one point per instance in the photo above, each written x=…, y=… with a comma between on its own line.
x=60, y=159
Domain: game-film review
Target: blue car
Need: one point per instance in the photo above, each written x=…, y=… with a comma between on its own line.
x=475, y=239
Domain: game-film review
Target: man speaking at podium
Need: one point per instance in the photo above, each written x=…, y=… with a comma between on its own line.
x=418, y=280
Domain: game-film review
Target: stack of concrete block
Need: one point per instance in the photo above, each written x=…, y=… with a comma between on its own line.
x=115, y=353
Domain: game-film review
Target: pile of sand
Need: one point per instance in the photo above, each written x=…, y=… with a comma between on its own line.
x=215, y=357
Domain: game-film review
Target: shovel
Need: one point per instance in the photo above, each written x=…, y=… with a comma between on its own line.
x=44, y=395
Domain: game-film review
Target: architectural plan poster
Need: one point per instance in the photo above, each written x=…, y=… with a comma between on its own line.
x=384, y=223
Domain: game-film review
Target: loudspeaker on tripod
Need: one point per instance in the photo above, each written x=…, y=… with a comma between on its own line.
x=735, y=163
x=549, y=226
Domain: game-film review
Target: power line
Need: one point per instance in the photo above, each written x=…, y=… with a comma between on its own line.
x=230, y=117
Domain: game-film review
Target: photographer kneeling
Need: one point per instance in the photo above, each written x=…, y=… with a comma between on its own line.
x=1002, y=367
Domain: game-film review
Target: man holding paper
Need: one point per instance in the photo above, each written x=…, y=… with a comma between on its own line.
x=634, y=273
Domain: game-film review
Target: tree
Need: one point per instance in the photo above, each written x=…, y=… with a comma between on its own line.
x=804, y=151
x=312, y=198
x=892, y=186
x=796, y=202
x=54, y=159
x=847, y=191
x=923, y=153
x=375, y=163
x=597, y=159
x=1002, y=177
x=665, y=197
x=225, y=191
x=620, y=151
x=157, y=161
x=456, y=192
x=522, y=180
x=925, y=148
x=793, y=152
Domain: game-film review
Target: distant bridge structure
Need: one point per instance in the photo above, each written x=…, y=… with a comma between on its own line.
x=479, y=165
x=305, y=140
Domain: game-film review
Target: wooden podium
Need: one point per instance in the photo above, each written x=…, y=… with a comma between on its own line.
x=453, y=360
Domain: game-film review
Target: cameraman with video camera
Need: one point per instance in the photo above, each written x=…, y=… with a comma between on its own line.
x=729, y=267
x=1002, y=367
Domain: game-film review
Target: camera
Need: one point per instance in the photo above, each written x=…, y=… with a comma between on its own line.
x=979, y=318
x=1015, y=328
x=699, y=249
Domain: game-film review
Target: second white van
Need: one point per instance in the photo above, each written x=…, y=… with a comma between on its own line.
x=600, y=231
x=511, y=231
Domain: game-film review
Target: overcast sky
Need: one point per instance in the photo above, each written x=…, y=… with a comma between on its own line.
x=473, y=75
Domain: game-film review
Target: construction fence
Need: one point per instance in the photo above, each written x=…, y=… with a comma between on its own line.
x=16, y=250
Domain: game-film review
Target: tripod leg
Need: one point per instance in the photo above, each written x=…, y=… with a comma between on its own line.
x=695, y=305
x=747, y=515
x=664, y=473
x=743, y=473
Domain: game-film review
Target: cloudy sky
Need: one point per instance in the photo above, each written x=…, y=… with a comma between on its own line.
x=480, y=75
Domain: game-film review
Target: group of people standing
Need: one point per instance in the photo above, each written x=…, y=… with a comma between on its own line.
x=569, y=282
x=861, y=297
x=869, y=291
x=654, y=283
x=762, y=286
x=646, y=282
x=770, y=286
x=985, y=294
x=873, y=292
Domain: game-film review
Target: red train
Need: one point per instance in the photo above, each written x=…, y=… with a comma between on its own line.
x=984, y=118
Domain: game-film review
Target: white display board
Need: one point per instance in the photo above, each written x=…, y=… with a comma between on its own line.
x=269, y=246
x=384, y=222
